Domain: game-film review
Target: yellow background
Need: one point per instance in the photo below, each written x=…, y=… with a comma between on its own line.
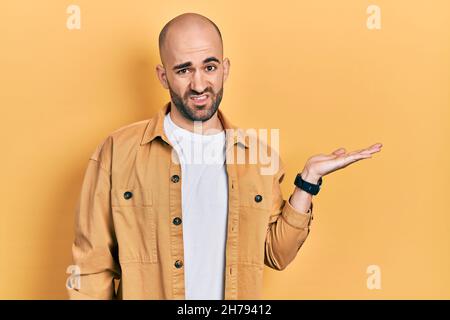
x=310, y=68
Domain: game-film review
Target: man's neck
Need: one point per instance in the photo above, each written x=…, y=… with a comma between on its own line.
x=212, y=126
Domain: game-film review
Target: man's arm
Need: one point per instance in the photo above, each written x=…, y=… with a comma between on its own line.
x=288, y=225
x=95, y=247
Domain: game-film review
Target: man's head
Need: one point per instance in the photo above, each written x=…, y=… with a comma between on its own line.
x=193, y=67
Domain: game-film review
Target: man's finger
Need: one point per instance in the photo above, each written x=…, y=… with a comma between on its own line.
x=370, y=151
x=355, y=152
x=353, y=158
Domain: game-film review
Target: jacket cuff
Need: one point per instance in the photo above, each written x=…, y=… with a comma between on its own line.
x=297, y=219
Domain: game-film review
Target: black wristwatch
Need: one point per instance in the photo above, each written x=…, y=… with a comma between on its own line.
x=306, y=186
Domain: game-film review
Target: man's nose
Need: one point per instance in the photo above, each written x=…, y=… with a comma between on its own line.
x=198, y=82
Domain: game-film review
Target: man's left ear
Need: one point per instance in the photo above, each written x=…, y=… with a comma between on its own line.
x=226, y=68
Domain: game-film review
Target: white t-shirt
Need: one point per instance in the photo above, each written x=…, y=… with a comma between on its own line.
x=204, y=209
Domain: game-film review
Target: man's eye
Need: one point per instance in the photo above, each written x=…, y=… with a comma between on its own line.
x=182, y=71
x=211, y=68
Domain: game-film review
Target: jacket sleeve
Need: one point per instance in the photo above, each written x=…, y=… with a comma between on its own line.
x=287, y=229
x=94, y=249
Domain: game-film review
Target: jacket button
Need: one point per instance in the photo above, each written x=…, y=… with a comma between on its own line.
x=177, y=221
x=178, y=264
x=258, y=198
x=175, y=178
x=127, y=195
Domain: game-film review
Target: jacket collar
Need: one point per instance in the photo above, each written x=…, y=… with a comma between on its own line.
x=155, y=128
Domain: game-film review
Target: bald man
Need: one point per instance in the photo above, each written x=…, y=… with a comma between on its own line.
x=170, y=224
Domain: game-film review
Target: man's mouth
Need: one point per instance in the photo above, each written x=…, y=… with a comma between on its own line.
x=199, y=99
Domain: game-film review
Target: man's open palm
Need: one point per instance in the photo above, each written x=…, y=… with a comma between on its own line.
x=323, y=164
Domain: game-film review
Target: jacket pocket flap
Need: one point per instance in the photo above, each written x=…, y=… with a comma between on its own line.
x=131, y=197
x=255, y=196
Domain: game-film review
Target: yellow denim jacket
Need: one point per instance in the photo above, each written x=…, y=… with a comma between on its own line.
x=128, y=223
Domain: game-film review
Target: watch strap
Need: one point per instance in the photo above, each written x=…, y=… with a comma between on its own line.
x=306, y=186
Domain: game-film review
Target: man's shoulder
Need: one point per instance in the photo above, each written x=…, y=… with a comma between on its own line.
x=130, y=131
x=126, y=135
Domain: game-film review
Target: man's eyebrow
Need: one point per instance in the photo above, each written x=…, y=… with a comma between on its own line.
x=183, y=65
x=211, y=59
x=189, y=63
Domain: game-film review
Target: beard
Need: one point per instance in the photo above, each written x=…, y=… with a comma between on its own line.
x=182, y=104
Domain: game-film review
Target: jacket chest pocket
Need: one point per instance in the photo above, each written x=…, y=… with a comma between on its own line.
x=257, y=195
x=131, y=197
x=135, y=224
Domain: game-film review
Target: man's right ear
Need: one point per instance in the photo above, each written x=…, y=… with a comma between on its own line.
x=162, y=76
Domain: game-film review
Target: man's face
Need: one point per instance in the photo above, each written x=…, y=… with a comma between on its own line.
x=197, y=106
x=194, y=71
